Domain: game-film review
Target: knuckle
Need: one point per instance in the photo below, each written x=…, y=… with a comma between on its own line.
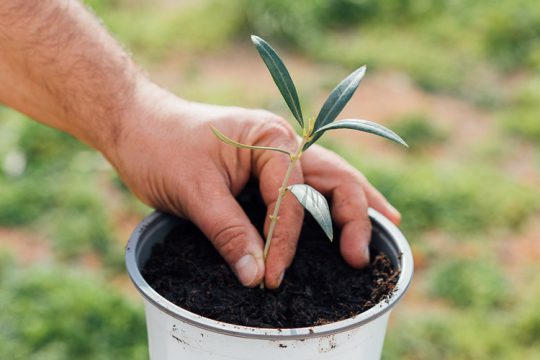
x=350, y=175
x=229, y=239
x=280, y=128
x=349, y=204
x=349, y=171
x=270, y=128
x=359, y=177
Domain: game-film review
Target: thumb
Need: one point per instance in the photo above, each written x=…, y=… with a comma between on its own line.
x=223, y=221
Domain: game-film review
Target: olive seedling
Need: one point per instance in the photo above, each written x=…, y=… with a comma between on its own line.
x=312, y=130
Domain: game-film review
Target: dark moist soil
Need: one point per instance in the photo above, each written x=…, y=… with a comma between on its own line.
x=317, y=289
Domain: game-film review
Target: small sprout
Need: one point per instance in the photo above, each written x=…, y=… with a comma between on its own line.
x=312, y=129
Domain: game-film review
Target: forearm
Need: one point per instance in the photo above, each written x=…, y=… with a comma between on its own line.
x=59, y=66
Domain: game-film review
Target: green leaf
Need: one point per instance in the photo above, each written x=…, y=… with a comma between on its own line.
x=336, y=101
x=230, y=141
x=281, y=76
x=363, y=125
x=316, y=204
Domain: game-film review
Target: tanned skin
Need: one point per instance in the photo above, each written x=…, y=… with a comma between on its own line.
x=59, y=66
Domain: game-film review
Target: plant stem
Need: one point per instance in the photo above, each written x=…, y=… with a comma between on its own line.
x=282, y=191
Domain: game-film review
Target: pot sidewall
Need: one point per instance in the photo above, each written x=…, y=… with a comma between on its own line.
x=174, y=333
x=171, y=338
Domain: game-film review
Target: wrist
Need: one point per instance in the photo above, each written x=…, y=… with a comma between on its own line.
x=147, y=110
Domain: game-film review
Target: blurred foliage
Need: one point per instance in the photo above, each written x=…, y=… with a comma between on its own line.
x=470, y=283
x=527, y=327
x=420, y=131
x=520, y=117
x=512, y=34
x=23, y=201
x=384, y=34
x=484, y=53
x=466, y=335
x=472, y=331
x=300, y=21
x=154, y=32
x=60, y=191
x=454, y=199
x=47, y=147
x=59, y=313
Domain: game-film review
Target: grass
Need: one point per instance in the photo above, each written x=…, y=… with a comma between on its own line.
x=478, y=284
x=470, y=332
x=421, y=132
x=452, y=198
x=61, y=192
x=520, y=116
x=456, y=335
x=60, y=313
x=152, y=33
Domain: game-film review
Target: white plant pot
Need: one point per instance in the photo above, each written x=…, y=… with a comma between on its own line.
x=175, y=333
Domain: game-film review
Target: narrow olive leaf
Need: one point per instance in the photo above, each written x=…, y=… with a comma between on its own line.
x=363, y=125
x=336, y=101
x=229, y=141
x=281, y=76
x=316, y=204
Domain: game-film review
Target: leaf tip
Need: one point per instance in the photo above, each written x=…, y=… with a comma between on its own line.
x=360, y=72
x=395, y=137
x=255, y=39
x=399, y=140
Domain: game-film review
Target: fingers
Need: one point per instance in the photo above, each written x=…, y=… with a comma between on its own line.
x=351, y=196
x=289, y=224
x=377, y=201
x=271, y=168
x=349, y=211
x=218, y=215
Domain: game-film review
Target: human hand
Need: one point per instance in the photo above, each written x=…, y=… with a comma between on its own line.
x=162, y=146
x=168, y=156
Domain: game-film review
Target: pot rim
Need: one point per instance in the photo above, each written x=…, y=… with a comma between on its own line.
x=405, y=259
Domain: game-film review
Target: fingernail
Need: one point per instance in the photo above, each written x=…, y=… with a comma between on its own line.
x=280, y=279
x=395, y=214
x=246, y=269
x=366, y=253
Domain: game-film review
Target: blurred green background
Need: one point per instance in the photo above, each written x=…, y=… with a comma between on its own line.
x=459, y=80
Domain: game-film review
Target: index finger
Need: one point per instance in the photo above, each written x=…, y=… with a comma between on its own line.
x=270, y=167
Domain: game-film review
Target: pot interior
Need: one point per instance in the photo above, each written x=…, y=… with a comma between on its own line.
x=386, y=237
x=156, y=231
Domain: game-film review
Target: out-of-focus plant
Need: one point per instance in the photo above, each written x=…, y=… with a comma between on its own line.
x=512, y=34
x=520, y=117
x=453, y=199
x=419, y=131
x=470, y=283
x=60, y=313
